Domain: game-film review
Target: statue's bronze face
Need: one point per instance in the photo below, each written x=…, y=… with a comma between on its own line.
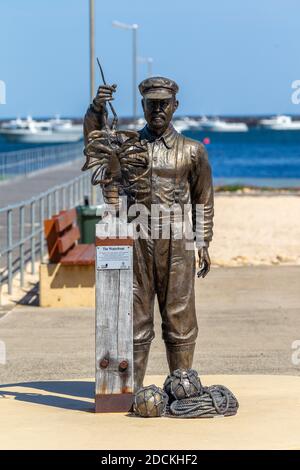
x=158, y=113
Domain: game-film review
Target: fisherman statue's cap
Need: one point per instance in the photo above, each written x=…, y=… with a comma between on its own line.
x=158, y=88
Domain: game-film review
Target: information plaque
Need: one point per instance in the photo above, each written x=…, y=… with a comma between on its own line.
x=114, y=257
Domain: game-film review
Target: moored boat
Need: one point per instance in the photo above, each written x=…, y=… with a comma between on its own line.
x=218, y=125
x=279, y=123
x=41, y=132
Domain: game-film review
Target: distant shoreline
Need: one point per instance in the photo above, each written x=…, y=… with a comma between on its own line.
x=239, y=190
x=257, y=185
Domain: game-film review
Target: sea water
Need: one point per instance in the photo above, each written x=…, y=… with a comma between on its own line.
x=257, y=157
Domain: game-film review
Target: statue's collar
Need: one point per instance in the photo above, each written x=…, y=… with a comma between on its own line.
x=168, y=137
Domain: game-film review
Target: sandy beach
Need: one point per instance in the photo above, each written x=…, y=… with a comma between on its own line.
x=256, y=228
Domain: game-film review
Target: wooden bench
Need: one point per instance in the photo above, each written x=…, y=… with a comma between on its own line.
x=68, y=280
x=62, y=235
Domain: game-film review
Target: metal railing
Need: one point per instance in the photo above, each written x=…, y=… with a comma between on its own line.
x=24, y=227
x=23, y=162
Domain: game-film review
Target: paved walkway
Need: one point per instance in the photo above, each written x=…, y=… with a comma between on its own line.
x=14, y=191
x=248, y=319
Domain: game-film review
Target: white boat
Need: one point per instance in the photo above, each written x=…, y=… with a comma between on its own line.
x=65, y=125
x=16, y=123
x=217, y=125
x=41, y=132
x=185, y=124
x=280, y=123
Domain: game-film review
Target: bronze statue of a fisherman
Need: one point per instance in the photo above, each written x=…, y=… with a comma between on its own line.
x=168, y=169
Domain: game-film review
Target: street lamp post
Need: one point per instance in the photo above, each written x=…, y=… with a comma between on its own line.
x=133, y=27
x=92, y=49
x=92, y=70
x=149, y=62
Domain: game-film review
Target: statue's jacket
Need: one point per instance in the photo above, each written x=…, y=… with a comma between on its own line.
x=177, y=173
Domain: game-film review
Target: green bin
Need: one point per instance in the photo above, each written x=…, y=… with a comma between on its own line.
x=87, y=219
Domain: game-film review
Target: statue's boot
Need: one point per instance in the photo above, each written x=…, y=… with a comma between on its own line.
x=140, y=359
x=180, y=356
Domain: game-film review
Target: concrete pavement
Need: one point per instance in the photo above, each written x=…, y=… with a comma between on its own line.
x=248, y=319
x=59, y=415
x=25, y=187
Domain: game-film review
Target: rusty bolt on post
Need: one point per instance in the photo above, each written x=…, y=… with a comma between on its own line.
x=104, y=363
x=123, y=366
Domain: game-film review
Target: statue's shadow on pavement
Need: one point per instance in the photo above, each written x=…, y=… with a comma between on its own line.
x=73, y=389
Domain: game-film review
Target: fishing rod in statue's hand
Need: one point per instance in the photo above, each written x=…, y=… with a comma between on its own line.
x=111, y=89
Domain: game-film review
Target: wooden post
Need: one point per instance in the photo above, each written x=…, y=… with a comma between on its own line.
x=114, y=333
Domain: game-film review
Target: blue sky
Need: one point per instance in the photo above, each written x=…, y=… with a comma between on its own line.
x=228, y=57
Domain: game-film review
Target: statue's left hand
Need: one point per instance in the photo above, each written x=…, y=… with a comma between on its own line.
x=204, y=262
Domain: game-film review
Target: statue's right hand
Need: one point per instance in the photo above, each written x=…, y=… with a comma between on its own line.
x=104, y=94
